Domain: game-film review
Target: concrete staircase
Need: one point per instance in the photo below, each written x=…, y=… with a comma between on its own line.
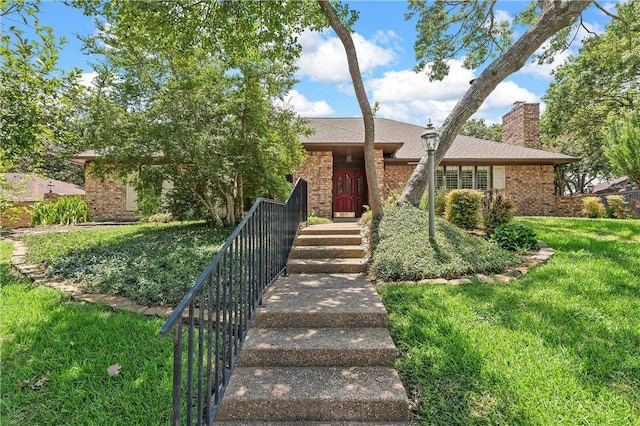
x=318, y=351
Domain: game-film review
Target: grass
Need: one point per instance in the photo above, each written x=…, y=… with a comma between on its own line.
x=403, y=251
x=558, y=346
x=55, y=353
x=151, y=264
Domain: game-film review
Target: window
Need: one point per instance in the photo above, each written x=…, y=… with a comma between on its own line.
x=482, y=178
x=451, y=177
x=466, y=177
x=439, y=177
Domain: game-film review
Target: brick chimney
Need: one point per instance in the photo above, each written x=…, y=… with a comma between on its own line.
x=521, y=125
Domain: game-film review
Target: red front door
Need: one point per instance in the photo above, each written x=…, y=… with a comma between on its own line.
x=349, y=192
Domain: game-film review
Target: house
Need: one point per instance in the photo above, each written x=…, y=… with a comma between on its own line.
x=336, y=177
x=517, y=167
x=622, y=186
x=23, y=191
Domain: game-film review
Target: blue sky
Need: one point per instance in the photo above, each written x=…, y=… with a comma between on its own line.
x=384, y=41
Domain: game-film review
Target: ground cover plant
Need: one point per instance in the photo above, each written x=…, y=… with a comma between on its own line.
x=57, y=357
x=151, y=264
x=403, y=251
x=557, y=346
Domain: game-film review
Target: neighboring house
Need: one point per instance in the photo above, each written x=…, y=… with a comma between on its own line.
x=25, y=190
x=335, y=167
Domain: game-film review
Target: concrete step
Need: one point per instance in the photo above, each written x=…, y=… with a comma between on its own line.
x=331, y=228
x=357, y=394
x=326, y=266
x=302, y=282
x=328, y=240
x=315, y=347
x=321, y=307
x=324, y=252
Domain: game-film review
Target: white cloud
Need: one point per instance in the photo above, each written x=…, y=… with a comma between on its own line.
x=305, y=107
x=86, y=79
x=323, y=57
x=411, y=97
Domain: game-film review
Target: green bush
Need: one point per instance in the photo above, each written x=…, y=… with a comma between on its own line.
x=463, y=208
x=515, y=237
x=63, y=211
x=317, y=220
x=440, y=200
x=402, y=250
x=618, y=208
x=592, y=207
x=160, y=218
x=498, y=211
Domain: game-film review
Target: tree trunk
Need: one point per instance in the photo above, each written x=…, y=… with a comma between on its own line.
x=375, y=202
x=556, y=15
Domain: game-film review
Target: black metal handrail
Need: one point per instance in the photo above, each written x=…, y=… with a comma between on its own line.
x=218, y=309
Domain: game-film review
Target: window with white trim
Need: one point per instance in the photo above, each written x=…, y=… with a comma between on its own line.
x=463, y=177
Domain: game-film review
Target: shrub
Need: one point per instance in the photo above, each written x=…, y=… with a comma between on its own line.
x=63, y=211
x=498, y=211
x=592, y=207
x=160, y=218
x=515, y=237
x=312, y=219
x=440, y=201
x=617, y=207
x=463, y=208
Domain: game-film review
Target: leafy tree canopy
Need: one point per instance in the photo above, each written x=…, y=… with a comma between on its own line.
x=603, y=80
x=477, y=128
x=37, y=97
x=623, y=145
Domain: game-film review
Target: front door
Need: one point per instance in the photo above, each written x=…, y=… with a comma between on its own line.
x=349, y=193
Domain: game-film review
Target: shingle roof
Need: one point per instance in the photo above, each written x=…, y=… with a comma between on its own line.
x=336, y=131
x=30, y=188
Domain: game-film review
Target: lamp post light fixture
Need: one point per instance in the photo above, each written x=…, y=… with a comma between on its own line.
x=430, y=140
x=50, y=185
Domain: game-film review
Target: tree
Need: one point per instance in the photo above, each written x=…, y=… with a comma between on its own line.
x=178, y=98
x=450, y=28
x=602, y=80
x=479, y=129
x=37, y=97
x=623, y=146
x=375, y=202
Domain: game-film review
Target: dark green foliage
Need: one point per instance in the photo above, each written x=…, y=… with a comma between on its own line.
x=498, y=211
x=151, y=264
x=463, y=208
x=592, y=207
x=515, y=237
x=403, y=251
x=63, y=211
x=183, y=205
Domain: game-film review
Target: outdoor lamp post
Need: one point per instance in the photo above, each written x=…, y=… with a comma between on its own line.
x=430, y=139
x=50, y=185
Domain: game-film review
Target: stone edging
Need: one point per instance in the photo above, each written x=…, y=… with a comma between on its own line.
x=37, y=275
x=529, y=260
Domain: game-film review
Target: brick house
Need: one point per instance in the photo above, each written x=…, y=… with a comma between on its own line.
x=518, y=167
x=335, y=167
x=26, y=190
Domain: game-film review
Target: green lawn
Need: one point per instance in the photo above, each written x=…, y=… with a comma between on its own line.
x=560, y=345
x=55, y=354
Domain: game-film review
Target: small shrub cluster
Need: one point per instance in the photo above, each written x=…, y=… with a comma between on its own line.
x=498, y=211
x=515, y=237
x=63, y=211
x=160, y=218
x=463, y=208
x=312, y=219
x=618, y=208
x=592, y=207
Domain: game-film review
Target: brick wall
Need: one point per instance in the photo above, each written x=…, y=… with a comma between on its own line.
x=569, y=206
x=106, y=199
x=318, y=172
x=521, y=125
x=531, y=187
x=17, y=216
x=380, y=176
x=395, y=177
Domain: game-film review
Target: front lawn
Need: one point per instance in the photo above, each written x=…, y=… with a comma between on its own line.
x=55, y=355
x=150, y=264
x=560, y=345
